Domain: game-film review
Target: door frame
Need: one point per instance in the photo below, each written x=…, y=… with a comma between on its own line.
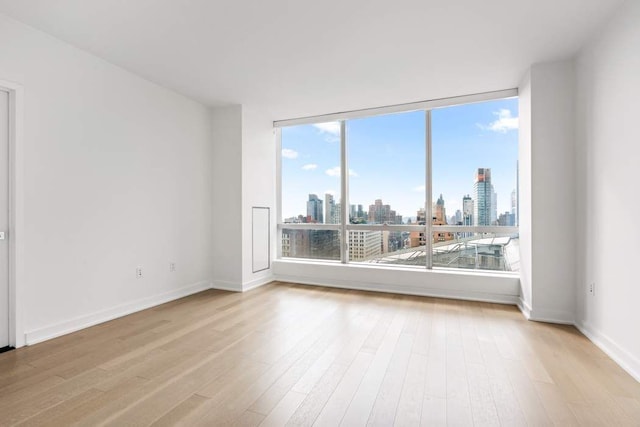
x=16, y=212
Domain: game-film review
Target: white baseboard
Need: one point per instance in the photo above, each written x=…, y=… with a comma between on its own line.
x=252, y=284
x=552, y=316
x=405, y=290
x=547, y=316
x=225, y=285
x=622, y=357
x=525, y=308
x=38, y=335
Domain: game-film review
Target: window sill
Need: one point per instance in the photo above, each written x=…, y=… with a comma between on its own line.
x=397, y=267
x=500, y=287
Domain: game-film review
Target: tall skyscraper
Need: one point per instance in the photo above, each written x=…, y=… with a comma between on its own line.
x=314, y=209
x=331, y=210
x=439, y=212
x=514, y=206
x=329, y=207
x=483, y=193
x=467, y=210
x=440, y=218
x=494, y=207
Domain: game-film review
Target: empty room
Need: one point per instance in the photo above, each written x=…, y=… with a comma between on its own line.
x=272, y=213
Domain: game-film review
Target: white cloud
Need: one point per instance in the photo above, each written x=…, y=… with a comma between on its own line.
x=332, y=128
x=289, y=153
x=504, y=123
x=310, y=166
x=333, y=171
x=419, y=188
x=336, y=172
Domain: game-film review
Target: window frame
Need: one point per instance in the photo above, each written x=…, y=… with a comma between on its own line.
x=345, y=227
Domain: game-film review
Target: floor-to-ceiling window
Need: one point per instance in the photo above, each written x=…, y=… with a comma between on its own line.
x=426, y=185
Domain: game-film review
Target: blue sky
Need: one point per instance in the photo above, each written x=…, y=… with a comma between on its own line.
x=386, y=157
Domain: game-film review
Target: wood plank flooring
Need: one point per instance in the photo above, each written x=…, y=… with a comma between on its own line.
x=287, y=354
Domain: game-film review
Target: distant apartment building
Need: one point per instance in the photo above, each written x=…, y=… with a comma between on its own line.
x=457, y=219
x=365, y=244
x=507, y=219
x=380, y=213
x=416, y=238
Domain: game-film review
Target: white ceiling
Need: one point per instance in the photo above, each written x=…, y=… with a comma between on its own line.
x=301, y=57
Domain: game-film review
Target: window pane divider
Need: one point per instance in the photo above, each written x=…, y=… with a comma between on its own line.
x=385, y=227
x=278, y=243
x=309, y=226
x=344, y=196
x=499, y=229
x=428, y=208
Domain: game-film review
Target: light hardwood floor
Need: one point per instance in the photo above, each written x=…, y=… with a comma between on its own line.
x=288, y=354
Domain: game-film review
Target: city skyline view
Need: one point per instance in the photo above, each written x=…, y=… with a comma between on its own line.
x=386, y=156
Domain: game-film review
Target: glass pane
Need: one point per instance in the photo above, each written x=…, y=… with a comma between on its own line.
x=475, y=164
x=386, y=167
x=311, y=173
x=312, y=244
x=386, y=157
x=371, y=247
x=478, y=251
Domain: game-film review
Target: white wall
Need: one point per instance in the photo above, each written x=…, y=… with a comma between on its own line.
x=117, y=174
x=244, y=163
x=553, y=191
x=547, y=199
x=227, y=192
x=258, y=185
x=608, y=135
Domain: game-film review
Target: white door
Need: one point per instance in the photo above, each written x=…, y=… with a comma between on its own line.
x=4, y=219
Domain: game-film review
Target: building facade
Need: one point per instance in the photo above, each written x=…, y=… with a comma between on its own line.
x=483, y=198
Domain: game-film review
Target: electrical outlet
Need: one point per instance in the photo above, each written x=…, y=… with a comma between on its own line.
x=592, y=289
x=172, y=266
x=138, y=272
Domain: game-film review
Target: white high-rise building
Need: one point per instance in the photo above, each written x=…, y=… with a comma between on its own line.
x=364, y=244
x=514, y=205
x=467, y=210
x=494, y=206
x=331, y=210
